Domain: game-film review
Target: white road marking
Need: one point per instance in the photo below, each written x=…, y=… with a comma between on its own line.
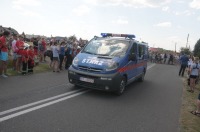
x=41, y=106
x=68, y=96
x=38, y=102
x=152, y=65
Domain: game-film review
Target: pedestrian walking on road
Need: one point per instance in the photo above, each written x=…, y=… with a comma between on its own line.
x=165, y=58
x=184, y=62
x=171, y=59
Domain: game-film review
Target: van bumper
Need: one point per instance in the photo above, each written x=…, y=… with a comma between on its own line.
x=106, y=82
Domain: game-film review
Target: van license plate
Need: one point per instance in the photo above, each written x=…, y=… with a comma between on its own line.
x=87, y=80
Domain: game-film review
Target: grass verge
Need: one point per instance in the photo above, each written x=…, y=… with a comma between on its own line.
x=189, y=122
x=42, y=67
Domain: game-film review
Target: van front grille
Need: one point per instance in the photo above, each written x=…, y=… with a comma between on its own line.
x=89, y=69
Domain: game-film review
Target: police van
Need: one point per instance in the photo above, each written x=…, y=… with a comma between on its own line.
x=109, y=63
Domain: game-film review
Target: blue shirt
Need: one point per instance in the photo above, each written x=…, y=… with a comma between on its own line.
x=184, y=60
x=62, y=50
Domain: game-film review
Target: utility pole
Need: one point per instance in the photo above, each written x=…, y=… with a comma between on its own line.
x=175, y=47
x=187, y=40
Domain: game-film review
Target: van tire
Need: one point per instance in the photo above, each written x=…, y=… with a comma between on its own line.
x=141, y=79
x=121, y=87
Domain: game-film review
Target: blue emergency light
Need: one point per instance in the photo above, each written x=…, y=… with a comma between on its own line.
x=117, y=35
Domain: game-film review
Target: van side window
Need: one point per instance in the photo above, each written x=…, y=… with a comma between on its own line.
x=133, y=49
x=141, y=51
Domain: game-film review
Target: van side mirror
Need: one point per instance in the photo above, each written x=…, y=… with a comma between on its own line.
x=132, y=57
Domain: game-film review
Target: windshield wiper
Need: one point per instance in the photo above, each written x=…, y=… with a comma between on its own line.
x=88, y=52
x=102, y=54
x=105, y=56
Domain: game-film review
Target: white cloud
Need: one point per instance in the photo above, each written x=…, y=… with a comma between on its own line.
x=131, y=3
x=198, y=18
x=186, y=12
x=17, y=7
x=81, y=10
x=166, y=9
x=164, y=24
x=120, y=21
x=26, y=2
x=180, y=1
x=179, y=27
x=93, y=2
x=30, y=14
x=195, y=4
x=20, y=5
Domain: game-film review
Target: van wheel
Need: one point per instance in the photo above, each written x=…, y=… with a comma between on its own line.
x=122, y=86
x=141, y=79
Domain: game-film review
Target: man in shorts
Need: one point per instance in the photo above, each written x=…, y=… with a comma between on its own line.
x=4, y=54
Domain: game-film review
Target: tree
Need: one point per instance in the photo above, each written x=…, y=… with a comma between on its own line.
x=186, y=51
x=72, y=38
x=23, y=34
x=197, y=49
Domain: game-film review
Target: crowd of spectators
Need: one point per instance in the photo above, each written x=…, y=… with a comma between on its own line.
x=163, y=58
x=192, y=66
x=27, y=53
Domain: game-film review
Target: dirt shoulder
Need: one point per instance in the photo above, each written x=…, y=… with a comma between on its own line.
x=188, y=121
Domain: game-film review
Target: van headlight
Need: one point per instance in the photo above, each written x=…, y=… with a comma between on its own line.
x=75, y=61
x=112, y=65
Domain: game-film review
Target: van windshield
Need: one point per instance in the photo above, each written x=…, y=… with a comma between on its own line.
x=107, y=47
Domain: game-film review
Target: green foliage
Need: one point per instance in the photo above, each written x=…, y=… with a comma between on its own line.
x=72, y=38
x=197, y=49
x=186, y=51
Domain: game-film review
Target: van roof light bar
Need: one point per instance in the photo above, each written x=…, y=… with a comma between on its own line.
x=131, y=36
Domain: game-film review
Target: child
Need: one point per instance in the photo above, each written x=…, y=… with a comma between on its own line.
x=31, y=56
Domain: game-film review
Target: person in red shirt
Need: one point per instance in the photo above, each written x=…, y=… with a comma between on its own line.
x=20, y=48
x=4, y=54
x=42, y=48
x=31, y=56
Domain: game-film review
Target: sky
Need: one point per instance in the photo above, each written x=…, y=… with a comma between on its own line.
x=161, y=23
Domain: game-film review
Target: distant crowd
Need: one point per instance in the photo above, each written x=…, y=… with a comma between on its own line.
x=188, y=63
x=25, y=55
x=164, y=58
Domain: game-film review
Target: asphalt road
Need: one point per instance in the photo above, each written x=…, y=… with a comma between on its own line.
x=46, y=102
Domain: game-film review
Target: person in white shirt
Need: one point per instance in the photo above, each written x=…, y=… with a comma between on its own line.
x=55, y=50
x=194, y=73
x=14, y=51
